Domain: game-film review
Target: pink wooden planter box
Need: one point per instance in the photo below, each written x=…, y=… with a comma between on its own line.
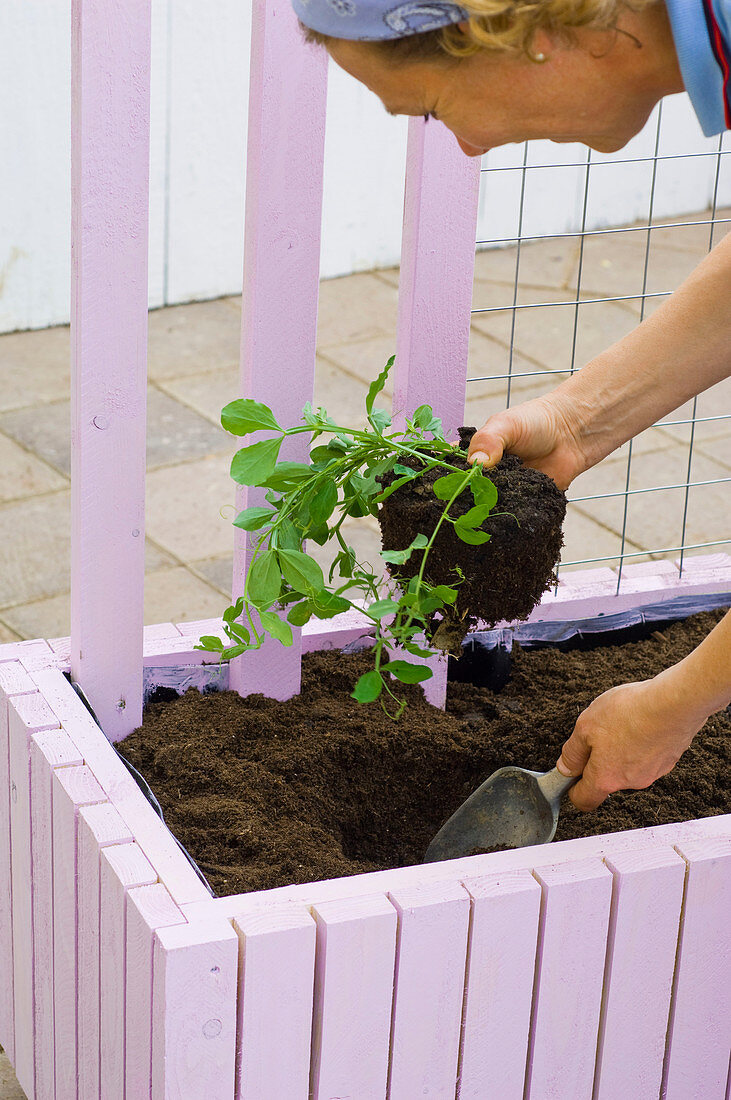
x=595, y=964
x=596, y=968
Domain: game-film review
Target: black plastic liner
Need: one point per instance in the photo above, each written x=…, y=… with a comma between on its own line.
x=486, y=655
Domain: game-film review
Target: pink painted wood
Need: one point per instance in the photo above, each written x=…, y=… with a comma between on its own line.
x=98, y=827
x=499, y=990
x=149, y=832
x=354, y=968
x=276, y=975
x=569, y=978
x=27, y=714
x=194, y=1011
x=643, y=939
x=109, y=200
x=72, y=788
x=281, y=268
x=122, y=867
x=431, y=955
x=437, y=266
x=699, y=1033
x=14, y=680
x=148, y=908
x=48, y=750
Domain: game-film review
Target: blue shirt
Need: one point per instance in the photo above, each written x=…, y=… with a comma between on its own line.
x=702, y=34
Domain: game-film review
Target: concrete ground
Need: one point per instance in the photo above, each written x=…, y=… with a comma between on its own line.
x=193, y=372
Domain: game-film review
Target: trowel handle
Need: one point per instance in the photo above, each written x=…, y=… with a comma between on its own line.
x=554, y=785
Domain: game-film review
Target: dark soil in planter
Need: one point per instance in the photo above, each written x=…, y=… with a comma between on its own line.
x=264, y=793
x=503, y=578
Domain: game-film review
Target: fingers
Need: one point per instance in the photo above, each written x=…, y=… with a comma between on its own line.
x=576, y=759
x=486, y=446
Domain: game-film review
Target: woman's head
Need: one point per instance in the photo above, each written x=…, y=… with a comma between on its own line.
x=399, y=31
x=511, y=70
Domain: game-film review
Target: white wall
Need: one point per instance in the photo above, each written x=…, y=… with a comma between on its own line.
x=199, y=96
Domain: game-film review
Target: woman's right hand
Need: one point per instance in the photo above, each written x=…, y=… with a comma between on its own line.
x=540, y=433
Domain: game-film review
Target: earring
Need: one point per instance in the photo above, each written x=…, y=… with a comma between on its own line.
x=539, y=57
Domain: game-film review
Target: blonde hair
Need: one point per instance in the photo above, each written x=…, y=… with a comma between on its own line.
x=505, y=26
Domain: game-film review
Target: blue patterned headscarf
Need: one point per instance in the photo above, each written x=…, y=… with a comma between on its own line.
x=375, y=20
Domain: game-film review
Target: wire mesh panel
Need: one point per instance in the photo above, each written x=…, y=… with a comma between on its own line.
x=557, y=281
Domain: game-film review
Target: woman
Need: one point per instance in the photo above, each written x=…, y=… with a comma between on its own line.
x=497, y=71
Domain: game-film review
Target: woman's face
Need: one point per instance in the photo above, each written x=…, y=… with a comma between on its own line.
x=599, y=91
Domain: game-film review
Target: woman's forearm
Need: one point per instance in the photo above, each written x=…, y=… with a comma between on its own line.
x=702, y=680
x=678, y=352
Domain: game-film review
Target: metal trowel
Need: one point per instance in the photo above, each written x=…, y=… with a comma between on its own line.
x=511, y=809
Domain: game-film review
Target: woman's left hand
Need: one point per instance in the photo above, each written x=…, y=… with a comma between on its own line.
x=627, y=738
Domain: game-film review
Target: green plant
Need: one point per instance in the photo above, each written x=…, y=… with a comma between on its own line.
x=344, y=477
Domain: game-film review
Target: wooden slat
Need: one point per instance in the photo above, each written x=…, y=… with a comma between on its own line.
x=499, y=990
x=643, y=938
x=431, y=955
x=572, y=947
x=281, y=268
x=110, y=138
x=149, y=831
x=98, y=827
x=14, y=680
x=122, y=867
x=435, y=283
x=148, y=908
x=72, y=788
x=276, y=974
x=194, y=1010
x=354, y=968
x=49, y=749
x=27, y=714
x=699, y=1037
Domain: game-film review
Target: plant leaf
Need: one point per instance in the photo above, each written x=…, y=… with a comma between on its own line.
x=444, y=593
x=253, y=465
x=398, y=557
x=417, y=650
x=277, y=627
x=327, y=604
x=475, y=516
x=484, y=492
x=264, y=582
x=382, y=607
x=239, y=631
x=210, y=642
x=286, y=536
x=467, y=534
x=423, y=416
x=301, y=613
x=301, y=571
x=234, y=611
x=380, y=419
x=251, y=519
x=377, y=385
x=244, y=415
x=408, y=673
x=323, y=503
x=287, y=475
x=446, y=487
x=368, y=688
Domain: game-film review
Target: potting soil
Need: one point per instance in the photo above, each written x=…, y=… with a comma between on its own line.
x=265, y=793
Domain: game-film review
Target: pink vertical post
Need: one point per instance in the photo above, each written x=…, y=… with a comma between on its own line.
x=437, y=268
x=354, y=968
x=281, y=269
x=48, y=750
x=27, y=714
x=431, y=953
x=195, y=969
x=499, y=990
x=109, y=187
x=572, y=945
x=276, y=973
x=148, y=908
x=643, y=939
x=699, y=1037
x=14, y=680
x=99, y=826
